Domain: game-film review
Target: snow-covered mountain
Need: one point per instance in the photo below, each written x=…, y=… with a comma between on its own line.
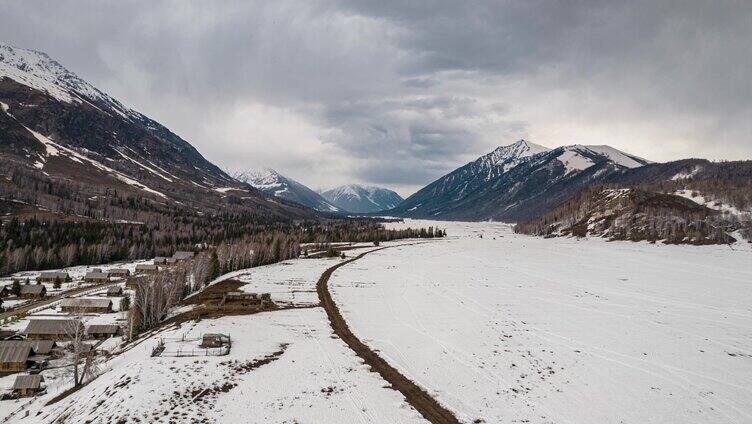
x=362, y=198
x=273, y=183
x=54, y=126
x=515, y=182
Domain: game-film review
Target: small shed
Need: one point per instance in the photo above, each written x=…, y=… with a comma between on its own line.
x=240, y=298
x=103, y=331
x=214, y=340
x=146, y=269
x=33, y=291
x=52, y=276
x=87, y=305
x=114, y=291
x=119, y=272
x=96, y=277
x=14, y=355
x=28, y=385
x=52, y=329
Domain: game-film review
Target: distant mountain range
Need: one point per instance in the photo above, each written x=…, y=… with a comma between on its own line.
x=273, y=183
x=515, y=182
x=351, y=198
x=68, y=149
x=362, y=198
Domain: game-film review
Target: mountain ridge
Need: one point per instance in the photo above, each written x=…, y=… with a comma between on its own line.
x=362, y=198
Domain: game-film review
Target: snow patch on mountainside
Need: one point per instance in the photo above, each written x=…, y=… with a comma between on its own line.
x=574, y=161
x=37, y=70
x=617, y=156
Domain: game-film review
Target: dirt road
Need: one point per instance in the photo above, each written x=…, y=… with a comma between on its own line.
x=415, y=396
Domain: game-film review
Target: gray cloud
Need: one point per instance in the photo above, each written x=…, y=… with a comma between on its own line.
x=397, y=93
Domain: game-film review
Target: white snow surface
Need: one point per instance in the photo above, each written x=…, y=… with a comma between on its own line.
x=616, y=156
x=574, y=161
x=511, y=328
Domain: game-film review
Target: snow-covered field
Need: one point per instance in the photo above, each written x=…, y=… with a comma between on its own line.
x=509, y=328
x=500, y=329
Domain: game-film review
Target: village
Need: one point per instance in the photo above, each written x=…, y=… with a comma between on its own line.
x=55, y=321
x=60, y=329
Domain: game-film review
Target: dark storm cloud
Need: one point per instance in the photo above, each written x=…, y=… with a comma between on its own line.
x=399, y=92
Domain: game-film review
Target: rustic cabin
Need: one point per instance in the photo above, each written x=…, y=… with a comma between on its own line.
x=182, y=255
x=146, y=269
x=96, y=277
x=214, y=340
x=28, y=385
x=33, y=291
x=52, y=329
x=86, y=305
x=119, y=272
x=53, y=276
x=115, y=291
x=103, y=331
x=14, y=355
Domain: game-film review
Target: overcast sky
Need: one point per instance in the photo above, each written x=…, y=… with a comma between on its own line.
x=397, y=93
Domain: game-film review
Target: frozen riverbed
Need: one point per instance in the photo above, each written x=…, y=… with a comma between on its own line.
x=509, y=328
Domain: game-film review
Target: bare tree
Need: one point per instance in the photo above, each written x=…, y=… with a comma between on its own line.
x=84, y=365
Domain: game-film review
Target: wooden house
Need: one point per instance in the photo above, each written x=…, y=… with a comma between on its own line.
x=96, y=277
x=52, y=329
x=86, y=305
x=183, y=255
x=114, y=291
x=119, y=272
x=14, y=355
x=53, y=276
x=33, y=291
x=103, y=331
x=28, y=385
x=146, y=269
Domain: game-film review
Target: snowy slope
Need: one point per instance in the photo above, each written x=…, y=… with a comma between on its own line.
x=511, y=328
x=362, y=198
x=273, y=183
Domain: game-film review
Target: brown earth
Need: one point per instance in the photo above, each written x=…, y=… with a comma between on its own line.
x=415, y=396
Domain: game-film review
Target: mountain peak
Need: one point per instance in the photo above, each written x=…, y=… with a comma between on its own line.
x=361, y=198
x=273, y=183
x=37, y=70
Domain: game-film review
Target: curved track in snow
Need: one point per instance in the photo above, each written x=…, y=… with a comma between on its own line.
x=417, y=397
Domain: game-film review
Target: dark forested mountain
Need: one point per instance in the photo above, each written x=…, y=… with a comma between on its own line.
x=70, y=149
x=273, y=183
x=87, y=180
x=515, y=182
x=688, y=201
x=358, y=198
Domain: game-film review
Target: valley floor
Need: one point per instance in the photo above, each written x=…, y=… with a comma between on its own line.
x=509, y=328
x=500, y=329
